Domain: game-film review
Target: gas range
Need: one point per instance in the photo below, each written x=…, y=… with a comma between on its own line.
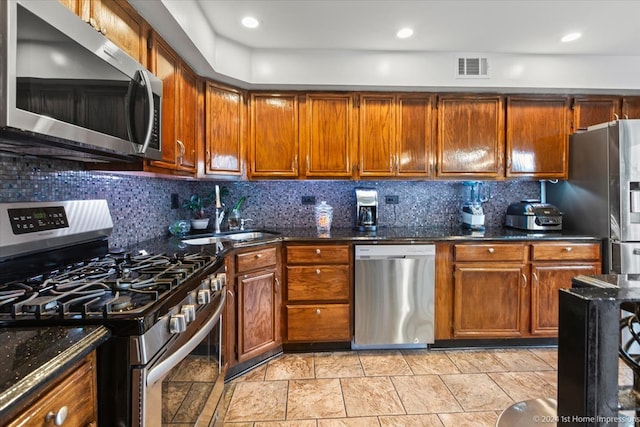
x=110, y=287
x=163, y=303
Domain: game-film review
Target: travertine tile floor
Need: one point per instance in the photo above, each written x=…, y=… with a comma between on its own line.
x=389, y=388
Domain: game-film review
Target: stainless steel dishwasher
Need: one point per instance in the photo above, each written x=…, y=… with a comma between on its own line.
x=394, y=296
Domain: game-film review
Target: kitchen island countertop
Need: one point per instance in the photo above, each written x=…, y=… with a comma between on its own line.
x=33, y=357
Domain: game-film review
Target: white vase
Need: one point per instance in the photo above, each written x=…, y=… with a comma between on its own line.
x=199, y=223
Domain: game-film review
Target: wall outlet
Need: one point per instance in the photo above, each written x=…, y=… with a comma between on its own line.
x=308, y=200
x=391, y=200
x=175, y=201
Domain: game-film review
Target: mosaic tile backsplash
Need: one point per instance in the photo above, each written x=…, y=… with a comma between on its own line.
x=141, y=206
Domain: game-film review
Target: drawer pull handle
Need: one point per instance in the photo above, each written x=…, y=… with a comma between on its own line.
x=259, y=256
x=317, y=311
x=318, y=251
x=318, y=271
x=59, y=417
x=491, y=250
x=568, y=249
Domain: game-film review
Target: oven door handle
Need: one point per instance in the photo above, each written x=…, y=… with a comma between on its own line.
x=162, y=369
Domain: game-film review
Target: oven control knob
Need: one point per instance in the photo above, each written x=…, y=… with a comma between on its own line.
x=177, y=323
x=204, y=296
x=189, y=311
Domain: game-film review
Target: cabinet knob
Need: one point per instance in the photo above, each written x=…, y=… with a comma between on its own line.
x=491, y=250
x=318, y=251
x=317, y=311
x=258, y=255
x=59, y=417
x=318, y=271
x=568, y=249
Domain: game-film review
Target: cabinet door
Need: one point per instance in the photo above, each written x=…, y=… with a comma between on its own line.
x=546, y=281
x=121, y=24
x=537, y=136
x=73, y=6
x=273, y=143
x=504, y=316
x=470, y=136
x=592, y=110
x=224, y=130
x=327, y=134
x=631, y=107
x=415, y=135
x=377, y=132
x=165, y=65
x=188, y=125
x=259, y=305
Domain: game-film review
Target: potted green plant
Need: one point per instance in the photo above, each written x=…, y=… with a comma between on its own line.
x=196, y=205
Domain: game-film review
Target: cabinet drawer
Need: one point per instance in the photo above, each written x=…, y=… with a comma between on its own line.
x=565, y=251
x=77, y=392
x=318, y=254
x=322, y=322
x=490, y=252
x=320, y=282
x=256, y=259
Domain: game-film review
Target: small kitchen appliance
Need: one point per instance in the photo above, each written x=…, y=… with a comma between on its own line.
x=472, y=213
x=531, y=214
x=366, y=209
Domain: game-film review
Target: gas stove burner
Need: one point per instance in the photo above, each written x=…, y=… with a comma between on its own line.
x=120, y=304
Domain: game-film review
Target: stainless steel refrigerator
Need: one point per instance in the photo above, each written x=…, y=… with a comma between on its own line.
x=602, y=195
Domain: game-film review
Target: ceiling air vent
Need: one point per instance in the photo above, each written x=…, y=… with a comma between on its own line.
x=471, y=68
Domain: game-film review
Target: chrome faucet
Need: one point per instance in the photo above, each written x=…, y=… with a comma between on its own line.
x=243, y=221
x=219, y=218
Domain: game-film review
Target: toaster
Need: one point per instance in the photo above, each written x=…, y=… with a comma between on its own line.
x=529, y=214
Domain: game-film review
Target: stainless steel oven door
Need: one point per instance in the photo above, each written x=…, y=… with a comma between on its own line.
x=185, y=382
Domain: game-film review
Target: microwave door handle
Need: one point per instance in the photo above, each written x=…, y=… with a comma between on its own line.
x=147, y=84
x=130, y=108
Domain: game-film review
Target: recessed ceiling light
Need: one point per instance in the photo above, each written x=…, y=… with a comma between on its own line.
x=404, y=33
x=250, y=22
x=571, y=37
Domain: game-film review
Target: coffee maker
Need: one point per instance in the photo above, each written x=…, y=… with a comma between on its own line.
x=366, y=209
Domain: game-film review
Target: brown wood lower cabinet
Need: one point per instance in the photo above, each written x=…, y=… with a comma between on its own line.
x=507, y=290
x=75, y=394
x=253, y=325
x=318, y=322
x=318, y=293
x=490, y=301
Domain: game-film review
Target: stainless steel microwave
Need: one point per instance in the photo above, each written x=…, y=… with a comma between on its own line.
x=68, y=92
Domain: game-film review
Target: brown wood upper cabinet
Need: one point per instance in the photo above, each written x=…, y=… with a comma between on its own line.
x=537, y=136
x=631, y=107
x=327, y=135
x=592, y=110
x=396, y=135
x=470, y=136
x=274, y=138
x=181, y=127
x=117, y=20
x=225, y=129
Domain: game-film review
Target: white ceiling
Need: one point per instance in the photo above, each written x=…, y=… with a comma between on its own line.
x=498, y=26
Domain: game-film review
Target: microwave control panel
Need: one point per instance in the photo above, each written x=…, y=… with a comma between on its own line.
x=34, y=219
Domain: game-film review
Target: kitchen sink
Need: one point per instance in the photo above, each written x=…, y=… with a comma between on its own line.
x=203, y=241
x=249, y=235
x=233, y=236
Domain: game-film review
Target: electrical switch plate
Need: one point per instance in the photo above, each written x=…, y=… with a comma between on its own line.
x=175, y=201
x=308, y=200
x=391, y=200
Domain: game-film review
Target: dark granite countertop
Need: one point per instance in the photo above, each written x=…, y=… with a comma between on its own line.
x=610, y=287
x=32, y=357
x=174, y=245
